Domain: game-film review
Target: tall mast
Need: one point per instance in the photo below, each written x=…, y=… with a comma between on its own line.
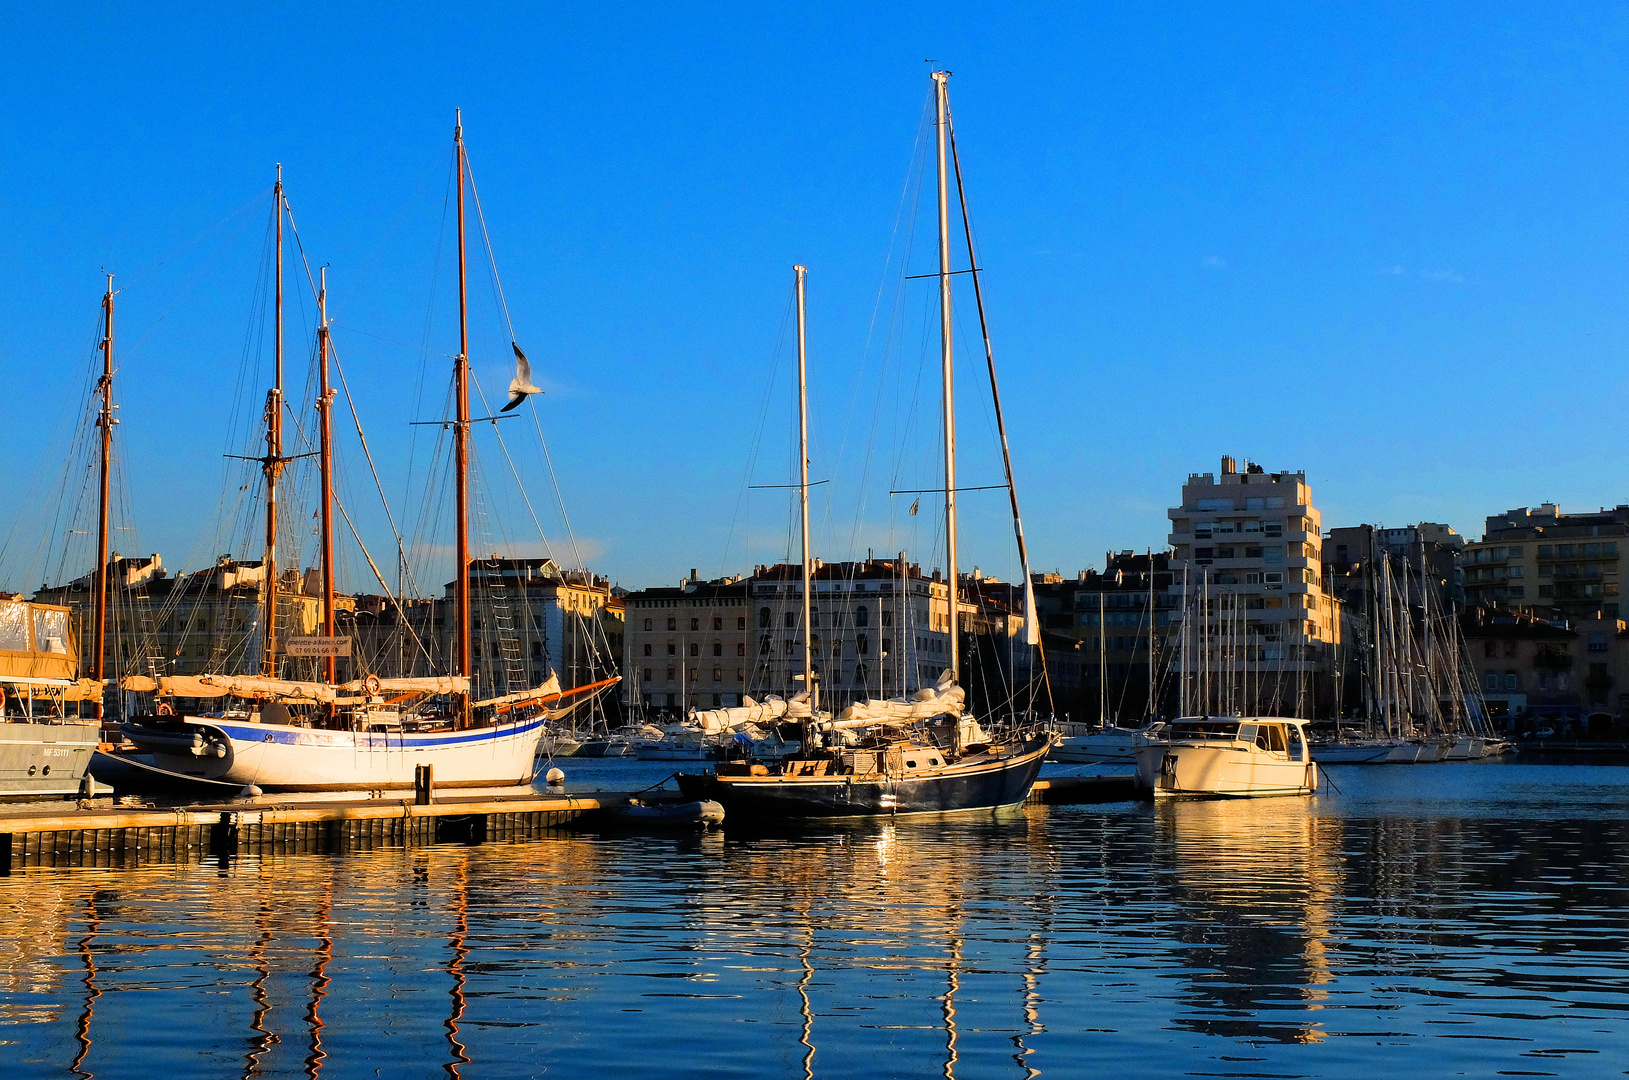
x=325, y=430
x=941, y=82
x=1032, y=617
x=1152, y=704
x=803, y=503
x=104, y=421
x=274, y=450
x=1102, y=660
x=461, y=448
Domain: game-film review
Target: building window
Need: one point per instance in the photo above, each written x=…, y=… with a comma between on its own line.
x=1597, y=643
x=537, y=650
x=1204, y=553
x=861, y=617
x=863, y=644
x=693, y=673
x=740, y=648
x=718, y=622
x=672, y=673
x=673, y=624
x=740, y=674
x=672, y=649
x=1511, y=680
x=741, y=622
x=765, y=646
x=647, y=624
x=647, y=674
x=1252, y=553
x=791, y=620
x=763, y=618
x=718, y=648
x=1490, y=648
x=695, y=624
x=718, y=674
x=647, y=650
x=695, y=649
x=888, y=618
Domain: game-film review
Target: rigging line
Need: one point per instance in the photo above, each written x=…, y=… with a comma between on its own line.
x=487, y=240
x=406, y=622
x=142, y=273
x=520, y=484
x=366, y=453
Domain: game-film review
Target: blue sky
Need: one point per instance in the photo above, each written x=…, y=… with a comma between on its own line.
x=1383, y=244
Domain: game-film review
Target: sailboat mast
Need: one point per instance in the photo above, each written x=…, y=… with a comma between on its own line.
x=1032, y=617
x=1152, y=704
x=274, y=449
x=461, y=447
x=325, y=431
x=941, y=82
x=803, y=503
x=104, y=421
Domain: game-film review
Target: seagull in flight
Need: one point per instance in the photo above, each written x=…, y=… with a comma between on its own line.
x=521, y=387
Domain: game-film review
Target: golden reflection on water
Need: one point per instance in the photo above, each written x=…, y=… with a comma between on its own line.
x=1269, y=866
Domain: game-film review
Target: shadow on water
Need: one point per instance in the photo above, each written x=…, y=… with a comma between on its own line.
x=1333, y=937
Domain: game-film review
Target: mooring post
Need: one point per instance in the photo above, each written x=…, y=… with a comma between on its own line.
x=424, y=784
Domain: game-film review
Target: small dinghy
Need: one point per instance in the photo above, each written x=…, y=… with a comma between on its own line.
x=654, y=813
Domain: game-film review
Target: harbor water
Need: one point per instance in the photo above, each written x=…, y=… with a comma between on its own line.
x=1456, y=919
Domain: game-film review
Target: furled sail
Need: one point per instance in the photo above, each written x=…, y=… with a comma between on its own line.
x=945, y=699
x=713, y=721
x=430, y=684
x=549, y=688
x=243, y=686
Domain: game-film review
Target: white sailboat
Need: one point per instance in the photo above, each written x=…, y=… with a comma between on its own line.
x=363, y=734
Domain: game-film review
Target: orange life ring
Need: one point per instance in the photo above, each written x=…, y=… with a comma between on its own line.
x=165, y=708
x=2, y=697
x=372, y=686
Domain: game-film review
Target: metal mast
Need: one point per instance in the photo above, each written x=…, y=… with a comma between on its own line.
x=1152, y=704
x=104, y=421
x=274, y=450
x=325, y=431
x=803, y=504
x=941, y=82
x=1032, y=616
x=461, y=702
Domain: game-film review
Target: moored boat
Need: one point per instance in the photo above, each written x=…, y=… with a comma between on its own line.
x=1228, y=756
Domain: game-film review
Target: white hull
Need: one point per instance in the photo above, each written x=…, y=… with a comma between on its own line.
x=1116, y=746
x=277, y=757
x=40, y=759
x=1223, y=757
x=1359, y=752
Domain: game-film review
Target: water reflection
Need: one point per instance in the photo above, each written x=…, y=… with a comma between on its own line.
x=1276, y=937
x=1257, y=881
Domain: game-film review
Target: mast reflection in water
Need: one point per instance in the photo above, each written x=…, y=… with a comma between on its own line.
x=1385, y=928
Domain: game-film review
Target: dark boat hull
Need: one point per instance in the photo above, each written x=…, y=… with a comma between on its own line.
x=988, y=785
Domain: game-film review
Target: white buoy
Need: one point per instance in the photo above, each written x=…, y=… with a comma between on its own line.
x=251, y=792
x=555, y=777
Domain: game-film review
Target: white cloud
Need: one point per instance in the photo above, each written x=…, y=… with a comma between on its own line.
x=1213, y=262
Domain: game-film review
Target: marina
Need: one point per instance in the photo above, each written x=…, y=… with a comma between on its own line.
x=1384, y=926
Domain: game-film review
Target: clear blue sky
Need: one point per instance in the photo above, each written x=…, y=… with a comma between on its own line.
x=1387, y=245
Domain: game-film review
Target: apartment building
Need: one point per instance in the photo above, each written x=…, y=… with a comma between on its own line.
x=1114, y=616
x=1258, y=629
x=1570, y=677
x=1546, y=561
x=687, y=646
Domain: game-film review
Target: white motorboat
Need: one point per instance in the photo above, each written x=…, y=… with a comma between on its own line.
x=1231, y=756
x=1103, y=746
x=44, y=752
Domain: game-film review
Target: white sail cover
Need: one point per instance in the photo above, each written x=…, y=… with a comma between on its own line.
x=432, y=684
x=1032, y=617
x=243, y=686
x=713, y=721
x=928, y=702
x=550, y=688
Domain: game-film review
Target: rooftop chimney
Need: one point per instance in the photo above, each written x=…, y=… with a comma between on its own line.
x=1229, y=466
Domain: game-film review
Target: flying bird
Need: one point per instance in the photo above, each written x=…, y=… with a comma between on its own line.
x=521, y=387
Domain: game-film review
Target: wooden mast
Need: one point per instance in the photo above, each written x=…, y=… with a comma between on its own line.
x=941, y=131
x=325, y=429
x=274, y=451
x=461, y=449
x=104, y=421
x=809, y=683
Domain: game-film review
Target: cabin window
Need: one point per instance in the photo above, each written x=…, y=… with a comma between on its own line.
x=1297, y=747
x=910, y=764
x=1247, y=733
x=14, y=627
x=51, y=632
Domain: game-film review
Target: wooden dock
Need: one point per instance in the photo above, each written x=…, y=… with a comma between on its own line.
x=100, y=833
